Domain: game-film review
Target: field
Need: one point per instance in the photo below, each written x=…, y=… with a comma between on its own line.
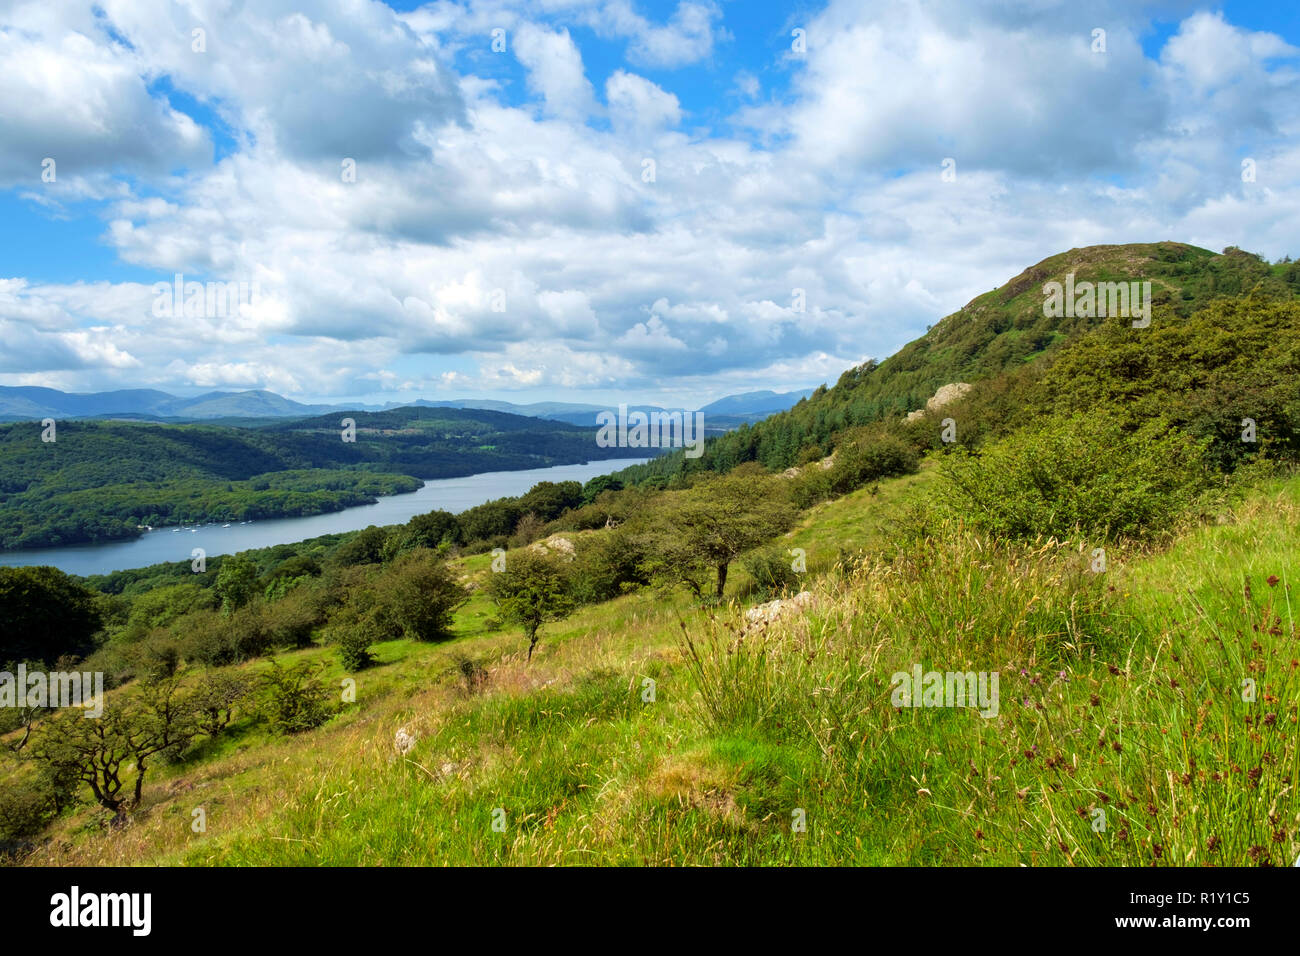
x=649, y=730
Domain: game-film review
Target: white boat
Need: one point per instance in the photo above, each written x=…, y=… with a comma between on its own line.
x=225, y=526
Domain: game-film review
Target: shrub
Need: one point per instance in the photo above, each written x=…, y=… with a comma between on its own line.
x=291, y=621
x=353, y=641
x=419, y=596
x=216, y=640
x=812, y=485
x=215, y=698
x=1082, y=473
x=606, y=566
x=866, y=455
x=293, y=699
x=772, y=571
x=25, y=808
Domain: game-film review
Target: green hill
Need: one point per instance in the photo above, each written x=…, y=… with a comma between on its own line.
x=100, y=480
x=997, y=332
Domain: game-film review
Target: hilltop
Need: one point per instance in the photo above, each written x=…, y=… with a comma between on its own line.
x=996, y=333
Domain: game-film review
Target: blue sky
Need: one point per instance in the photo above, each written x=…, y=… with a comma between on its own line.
x=504, y=236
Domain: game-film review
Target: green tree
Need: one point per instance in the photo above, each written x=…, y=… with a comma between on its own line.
x=704, y=529
x=44, y=614
x=419, y=596
x=236, y=583
x=532, y=590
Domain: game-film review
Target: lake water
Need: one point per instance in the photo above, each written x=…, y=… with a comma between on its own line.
x=169, y=544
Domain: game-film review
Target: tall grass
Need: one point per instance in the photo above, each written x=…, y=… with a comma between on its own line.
x=1122, y=736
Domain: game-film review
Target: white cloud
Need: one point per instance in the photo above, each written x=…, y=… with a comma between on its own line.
x=638, y=105
x=555, y=71
x=466, y=200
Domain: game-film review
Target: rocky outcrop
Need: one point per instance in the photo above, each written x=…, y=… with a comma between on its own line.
x=561, y=546
x=944, y=396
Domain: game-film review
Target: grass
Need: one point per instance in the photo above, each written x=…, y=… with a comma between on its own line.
x=1121, y=701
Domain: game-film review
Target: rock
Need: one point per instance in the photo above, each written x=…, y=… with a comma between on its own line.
x=554, y=543
x=761, y=614
x=944, y=396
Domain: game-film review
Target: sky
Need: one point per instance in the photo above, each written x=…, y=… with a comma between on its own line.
x=597, y=200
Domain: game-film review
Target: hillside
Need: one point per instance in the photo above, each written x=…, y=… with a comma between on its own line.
x=998, y=332
x=1094, y=577
x=101, y=480
x=589, y=771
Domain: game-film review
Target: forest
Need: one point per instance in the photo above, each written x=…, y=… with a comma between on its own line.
x=105, y=480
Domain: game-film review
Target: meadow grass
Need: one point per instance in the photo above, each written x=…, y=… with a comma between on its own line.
x=1121, y=736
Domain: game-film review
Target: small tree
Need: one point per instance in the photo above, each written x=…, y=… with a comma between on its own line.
x=419, y=596
x=293, y=699
x=532, y=590
x=704, y=529
x=216, y=697
x=353, y=639
x=131, y=730
x=236, y=583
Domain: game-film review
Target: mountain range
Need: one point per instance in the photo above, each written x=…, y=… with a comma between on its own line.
x=22, y=403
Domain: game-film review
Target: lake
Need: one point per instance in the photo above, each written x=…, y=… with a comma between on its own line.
x=170, y=544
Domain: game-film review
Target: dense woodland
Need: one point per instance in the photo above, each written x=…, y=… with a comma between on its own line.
x=102, y=480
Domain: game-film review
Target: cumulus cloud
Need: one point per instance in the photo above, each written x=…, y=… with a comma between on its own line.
x=503, y=234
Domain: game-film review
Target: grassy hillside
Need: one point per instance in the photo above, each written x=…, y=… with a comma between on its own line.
x=1101, y=538
x=1120, y=693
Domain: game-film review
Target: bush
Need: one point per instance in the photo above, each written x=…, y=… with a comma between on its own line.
x=215, y=698
x=606, y=566
x=772, y=571
x=813, y=485
x=291, y=621
x=293, y=699
x=419, y=596
x=353, y=641
x=1082, y=473
x=158, y=656
x=866, y=455
x=216, y=640
x=25, y=809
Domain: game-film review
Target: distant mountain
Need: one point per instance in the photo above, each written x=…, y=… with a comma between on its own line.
x=756, y=403
x=25, y=403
